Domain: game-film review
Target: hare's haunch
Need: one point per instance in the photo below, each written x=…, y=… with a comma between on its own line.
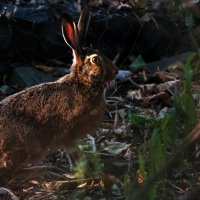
x=50, y=115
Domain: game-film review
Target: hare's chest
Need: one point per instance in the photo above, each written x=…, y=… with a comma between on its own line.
x=90, y=121
x=95, y=116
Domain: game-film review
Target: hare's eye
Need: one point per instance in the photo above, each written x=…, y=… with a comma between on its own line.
x=96, y=60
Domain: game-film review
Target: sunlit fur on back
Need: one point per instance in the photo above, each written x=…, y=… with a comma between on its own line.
x=49, y=115
x=53, y=118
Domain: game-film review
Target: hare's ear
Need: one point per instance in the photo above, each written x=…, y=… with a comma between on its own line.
x=70, y=33
x=83, y=24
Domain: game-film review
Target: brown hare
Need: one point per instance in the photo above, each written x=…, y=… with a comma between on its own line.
x=50, y=115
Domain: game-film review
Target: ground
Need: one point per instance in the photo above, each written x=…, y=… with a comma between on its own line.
x=110, y=160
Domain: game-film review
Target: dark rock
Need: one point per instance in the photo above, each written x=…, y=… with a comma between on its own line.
x=5, y=37
x=37, y=35
x=5, y=89
x=2, y=70
x=5, y=33
x=27, y=75
x=167, y=61
x=61, y=71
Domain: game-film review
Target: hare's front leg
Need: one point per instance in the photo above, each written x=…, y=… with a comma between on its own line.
x=12, y=156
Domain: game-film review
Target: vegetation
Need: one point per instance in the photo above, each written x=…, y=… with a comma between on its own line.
x=167, y=134
x=148, y=144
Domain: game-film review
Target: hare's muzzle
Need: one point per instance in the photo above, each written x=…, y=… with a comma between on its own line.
x=110, y=73
x=109, y=69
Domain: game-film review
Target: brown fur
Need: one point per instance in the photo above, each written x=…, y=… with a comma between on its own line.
x=50, y=115
x=46, y=116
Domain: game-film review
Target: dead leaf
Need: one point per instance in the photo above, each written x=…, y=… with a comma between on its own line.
x=46, y=69
x=136, y=94
x=176, y=66
x=83, y=185
x=52, y=185
x=173, y=85
x=148, y=87
x=145, y=18
x=140, y=178
x=123, y=75
x=163, y=112
x=115, y=148
x=164, y=97
x=116, y=190
x=197, y=151
x=34, y=182
x=164, y=76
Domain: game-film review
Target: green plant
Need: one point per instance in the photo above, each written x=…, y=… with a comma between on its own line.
x=165, y=132
x=139, y=120
x=88, y=167
x=187, y=98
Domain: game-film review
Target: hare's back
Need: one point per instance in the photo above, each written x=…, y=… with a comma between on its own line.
x=36, y=97
x=49, y=105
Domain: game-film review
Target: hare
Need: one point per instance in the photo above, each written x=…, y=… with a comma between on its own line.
x=53, y=114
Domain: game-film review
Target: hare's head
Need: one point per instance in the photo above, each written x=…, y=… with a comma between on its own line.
x=89, y=66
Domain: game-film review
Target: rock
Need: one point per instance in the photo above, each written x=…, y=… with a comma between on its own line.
x=26, y=76
x=2, y=70
x=5, y=37
x=5, y=33
x=6, y=90
x=167, y=62
x=36, y=33
x=61, y=71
